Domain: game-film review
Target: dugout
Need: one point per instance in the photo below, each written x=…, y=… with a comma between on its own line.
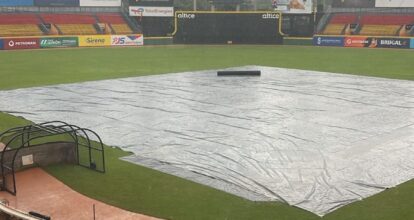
x=227, y=27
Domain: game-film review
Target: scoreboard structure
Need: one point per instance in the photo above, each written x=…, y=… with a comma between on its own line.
x=205, y=27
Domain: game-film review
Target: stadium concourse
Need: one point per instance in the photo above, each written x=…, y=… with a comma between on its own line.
x=314, y=140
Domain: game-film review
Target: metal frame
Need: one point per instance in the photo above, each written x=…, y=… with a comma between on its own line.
x=43, y=130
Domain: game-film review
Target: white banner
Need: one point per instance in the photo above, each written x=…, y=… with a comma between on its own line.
x=394, y=3
x=106, y=3
x=151, y=11
x=127, y=40
x=293, y=6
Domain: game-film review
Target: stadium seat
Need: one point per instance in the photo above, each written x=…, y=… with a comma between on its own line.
x=384, y=24
x=19, y=25
x=117, y=22
x=386, y=19
x=121, y=29
x=334, y=29
x=19, y=19
x=380, y=30
x=373, y=24
x=343, y=19
x=68, y=19
x=20, y=30
x=72, y=24
x=338, y=22
x=75, y=29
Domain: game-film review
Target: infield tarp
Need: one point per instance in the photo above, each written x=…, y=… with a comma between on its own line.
x=314, y=140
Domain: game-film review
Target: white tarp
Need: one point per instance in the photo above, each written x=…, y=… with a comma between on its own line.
x=314, y=140
x=394, y=3
x=103, y=3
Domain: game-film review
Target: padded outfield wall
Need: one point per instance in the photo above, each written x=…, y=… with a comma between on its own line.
x=364, y=41
x=206, y=27
x=16, y=43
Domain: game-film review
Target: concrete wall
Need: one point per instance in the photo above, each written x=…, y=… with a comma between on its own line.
x=44, y=155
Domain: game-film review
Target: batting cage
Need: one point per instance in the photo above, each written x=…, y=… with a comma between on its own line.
x=45, y=144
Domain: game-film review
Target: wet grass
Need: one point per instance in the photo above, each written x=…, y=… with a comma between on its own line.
x=45, y=67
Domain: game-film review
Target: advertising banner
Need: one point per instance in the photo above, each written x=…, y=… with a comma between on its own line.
x=392, y=42
x=53, y=42
x=56, y=2
x=151, y=11
x=1, y=44
x=20, y=43
x=394, y=3
x=374, y=42
x=94, y=40
x=293, y=6
x=328, y=41
x=359, y=42
x=16, y=2
x=412, y=43
x=127, y=40
x=105, y=3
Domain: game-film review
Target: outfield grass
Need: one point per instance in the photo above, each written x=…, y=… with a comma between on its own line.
x=150, y=192
x=42, y=67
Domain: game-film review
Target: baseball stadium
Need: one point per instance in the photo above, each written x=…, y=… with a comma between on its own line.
x=207, y=109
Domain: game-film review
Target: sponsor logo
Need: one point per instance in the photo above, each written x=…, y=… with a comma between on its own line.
x=270, y=16
x=59, y=42
x=50, y=42
x=393, y=42
x=328, y=41
x=137, y=10
x=186, y=16
x=20, y=43
x=359, y=42
x=373, y=42
x=91, y=40
x=127, y=40
x=151, y=11
x=95, y=41
x=412, y=43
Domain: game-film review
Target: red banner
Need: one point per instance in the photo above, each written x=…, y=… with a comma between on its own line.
x=359, y=42
x=21, y=43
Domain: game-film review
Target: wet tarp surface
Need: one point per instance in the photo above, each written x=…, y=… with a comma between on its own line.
x=314, y=140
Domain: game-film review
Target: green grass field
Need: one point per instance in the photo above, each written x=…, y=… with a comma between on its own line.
x=143, y=190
